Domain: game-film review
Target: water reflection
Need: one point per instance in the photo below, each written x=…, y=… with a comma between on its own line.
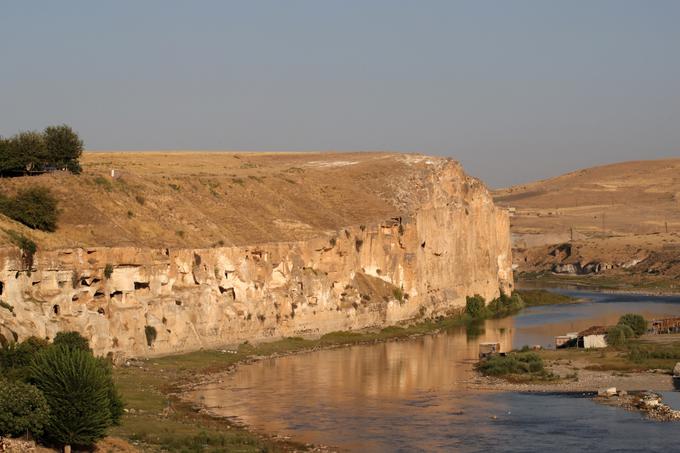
x=411, y=395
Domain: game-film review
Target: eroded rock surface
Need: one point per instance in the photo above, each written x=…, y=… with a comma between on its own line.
x=448, y=242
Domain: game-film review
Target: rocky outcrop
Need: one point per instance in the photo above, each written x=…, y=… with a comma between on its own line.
x=449, y=243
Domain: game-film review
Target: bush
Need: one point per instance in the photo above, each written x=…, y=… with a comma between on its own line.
x=78, y=392
x=513, y=363
x=35, y=207
x=108, y=271
x=150, y=332
x=635, y=322
x=72, y=340
x=619, y=335
x=23, y=409
x=15, y=358
x=475, y=306
x=505, y=305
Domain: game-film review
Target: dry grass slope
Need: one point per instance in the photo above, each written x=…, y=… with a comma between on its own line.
x=203, y=199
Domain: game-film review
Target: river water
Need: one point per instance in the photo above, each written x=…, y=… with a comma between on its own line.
x=411, y=395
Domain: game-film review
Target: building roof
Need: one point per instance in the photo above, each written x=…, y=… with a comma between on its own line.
x=594, y=330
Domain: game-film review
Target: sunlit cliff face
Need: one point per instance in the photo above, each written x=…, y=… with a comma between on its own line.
x=450, y=242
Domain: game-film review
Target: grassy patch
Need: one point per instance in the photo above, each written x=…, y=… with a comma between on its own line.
x=103, y=182
x=619, y=282
x=516, y=366
x=537, y=297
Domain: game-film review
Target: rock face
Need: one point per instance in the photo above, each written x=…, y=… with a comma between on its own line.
x=450, y=243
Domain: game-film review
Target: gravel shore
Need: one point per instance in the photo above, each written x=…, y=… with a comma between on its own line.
x=574, y=377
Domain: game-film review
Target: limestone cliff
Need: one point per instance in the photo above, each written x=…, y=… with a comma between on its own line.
x=445, y=241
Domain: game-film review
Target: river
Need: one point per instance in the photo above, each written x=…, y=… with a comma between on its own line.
x=411, y=395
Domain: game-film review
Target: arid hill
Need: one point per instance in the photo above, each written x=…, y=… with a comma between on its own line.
x=621, y=217
x=194, y=199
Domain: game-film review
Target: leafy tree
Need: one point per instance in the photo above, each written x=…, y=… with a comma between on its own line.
x=619, y=335
x=72, y=340
x=57, y=146
x=23, y=409
x=15, y=358
x=28, y=151
x=78, y=391
x=475, y=306
x=635, y=322
x=35, y=207
x=64, y=147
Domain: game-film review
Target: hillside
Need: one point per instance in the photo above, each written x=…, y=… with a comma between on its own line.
x=634, y=198
x=185, y=251
x=622, y=218
x=190, y=199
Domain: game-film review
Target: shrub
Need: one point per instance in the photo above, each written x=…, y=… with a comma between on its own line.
x=151, y=334
x=635, y=322
x=15, y=358
x=475, y=306
x=35, y=207
x=77, y=389
x=619, y=335
x=505, y=305
x=23, y=409
x=513, y=363
x=104, y=183
x=71, y=340
x=108, y=270
x=398, y=294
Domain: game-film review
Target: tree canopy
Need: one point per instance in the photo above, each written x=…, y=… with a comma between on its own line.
x=57, y=147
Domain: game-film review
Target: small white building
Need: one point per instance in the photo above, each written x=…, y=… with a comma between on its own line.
x=592, y=337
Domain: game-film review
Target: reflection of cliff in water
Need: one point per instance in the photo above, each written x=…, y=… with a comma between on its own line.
x=411, y=395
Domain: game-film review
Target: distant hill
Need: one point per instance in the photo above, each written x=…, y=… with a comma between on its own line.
x=621, y=220
x=637, y=197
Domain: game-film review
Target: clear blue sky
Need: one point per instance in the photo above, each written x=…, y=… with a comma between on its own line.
x=515, y=90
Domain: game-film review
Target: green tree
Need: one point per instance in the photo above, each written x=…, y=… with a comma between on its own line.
x=635, y=322
x=23, y=409
x=619, y=335
x=77, y=389
x=28, y=151
x=15, y=358
x=35, y=207
x=64, y=147
x=475, y=306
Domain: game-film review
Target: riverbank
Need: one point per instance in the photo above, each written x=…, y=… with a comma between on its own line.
x=159, y=419
x=160, y=416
